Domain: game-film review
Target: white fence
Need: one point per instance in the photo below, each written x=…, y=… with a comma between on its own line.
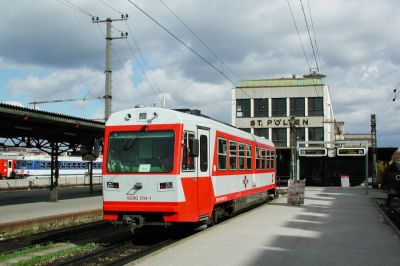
x=43, y=182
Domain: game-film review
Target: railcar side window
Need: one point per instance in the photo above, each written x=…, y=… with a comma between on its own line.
x=263, y=159
x=232, y=155
x=221, y=154
x=268, y=159
x=241, y=156
x=258, y=158
x=248, y=156
x=203, y=153
x=187, y=158
x=273, y=161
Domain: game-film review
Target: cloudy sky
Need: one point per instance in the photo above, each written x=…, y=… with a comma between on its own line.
x=50, y=49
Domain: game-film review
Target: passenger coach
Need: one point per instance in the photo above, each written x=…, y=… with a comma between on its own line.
x=166, y=166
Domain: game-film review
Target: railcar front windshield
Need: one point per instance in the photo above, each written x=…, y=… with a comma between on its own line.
x=140, y=151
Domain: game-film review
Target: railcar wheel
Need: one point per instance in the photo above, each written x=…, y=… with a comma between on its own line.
x=212, y=220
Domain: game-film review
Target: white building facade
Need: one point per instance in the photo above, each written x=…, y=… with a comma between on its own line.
x=264, y=107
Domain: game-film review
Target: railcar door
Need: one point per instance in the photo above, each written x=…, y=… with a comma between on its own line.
x=203, y=172
x=10, y=168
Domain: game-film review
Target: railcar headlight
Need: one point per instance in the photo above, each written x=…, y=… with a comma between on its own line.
x=112, y=185
x=166, y=185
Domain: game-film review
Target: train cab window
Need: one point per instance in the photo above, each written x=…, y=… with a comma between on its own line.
x=221, y=154
x=241, y=156
x=232, y=155
x=203, y=153
x=187, y=158
x=248, y=156
x=150, y=151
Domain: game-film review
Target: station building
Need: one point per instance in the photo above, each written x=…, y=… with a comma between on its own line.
x=265, y=107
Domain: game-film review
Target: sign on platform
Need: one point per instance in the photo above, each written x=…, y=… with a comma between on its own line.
x=345, y=180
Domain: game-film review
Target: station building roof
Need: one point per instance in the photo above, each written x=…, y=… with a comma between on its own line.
x=281, y=82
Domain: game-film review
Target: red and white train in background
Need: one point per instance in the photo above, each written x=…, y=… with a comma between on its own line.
x=165, y=167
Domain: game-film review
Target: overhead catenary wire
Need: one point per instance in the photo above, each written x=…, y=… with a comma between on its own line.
x=298, y=34
x=199, y=39
x=183, y=43
x=152, y=82
x=315, y=37
x=75, y=7
x=104, y=3
x=309, y=35
x=391, y=99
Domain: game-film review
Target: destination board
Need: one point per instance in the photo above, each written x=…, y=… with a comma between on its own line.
x=312, y=152
x=350, y=151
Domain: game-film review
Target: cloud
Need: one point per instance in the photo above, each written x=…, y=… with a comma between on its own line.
x=55, y=51
x=15, y=103
x=62, y=84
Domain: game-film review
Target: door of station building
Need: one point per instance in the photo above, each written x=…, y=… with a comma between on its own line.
x=203, y=171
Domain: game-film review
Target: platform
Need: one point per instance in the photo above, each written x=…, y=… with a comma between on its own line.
x=334, y=227
x=19, y=216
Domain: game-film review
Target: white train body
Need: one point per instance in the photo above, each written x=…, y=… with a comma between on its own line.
x=39, y=166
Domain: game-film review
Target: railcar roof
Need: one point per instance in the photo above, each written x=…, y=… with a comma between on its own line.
x=165, y=116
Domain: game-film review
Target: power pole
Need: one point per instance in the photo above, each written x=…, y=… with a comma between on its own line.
x=293, y=148
x=374, y=147
x=108, y=70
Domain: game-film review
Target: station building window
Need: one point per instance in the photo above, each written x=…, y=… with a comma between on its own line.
x=243, y=108
x=260, y=107
x=262, y=132
x=279, y=137
x=222, y=154
x=315, y=106
x=300, y=134
x=297, y=107
x=248, y=130
x=316, y=133
x=279, y=107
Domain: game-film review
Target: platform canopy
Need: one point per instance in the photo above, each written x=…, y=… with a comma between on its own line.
x=25, y=127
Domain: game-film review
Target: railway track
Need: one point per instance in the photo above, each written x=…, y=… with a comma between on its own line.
x=114, y=245
x=64, y=234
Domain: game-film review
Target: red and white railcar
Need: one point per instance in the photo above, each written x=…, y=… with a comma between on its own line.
x=7, y=167
x=164, y=166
